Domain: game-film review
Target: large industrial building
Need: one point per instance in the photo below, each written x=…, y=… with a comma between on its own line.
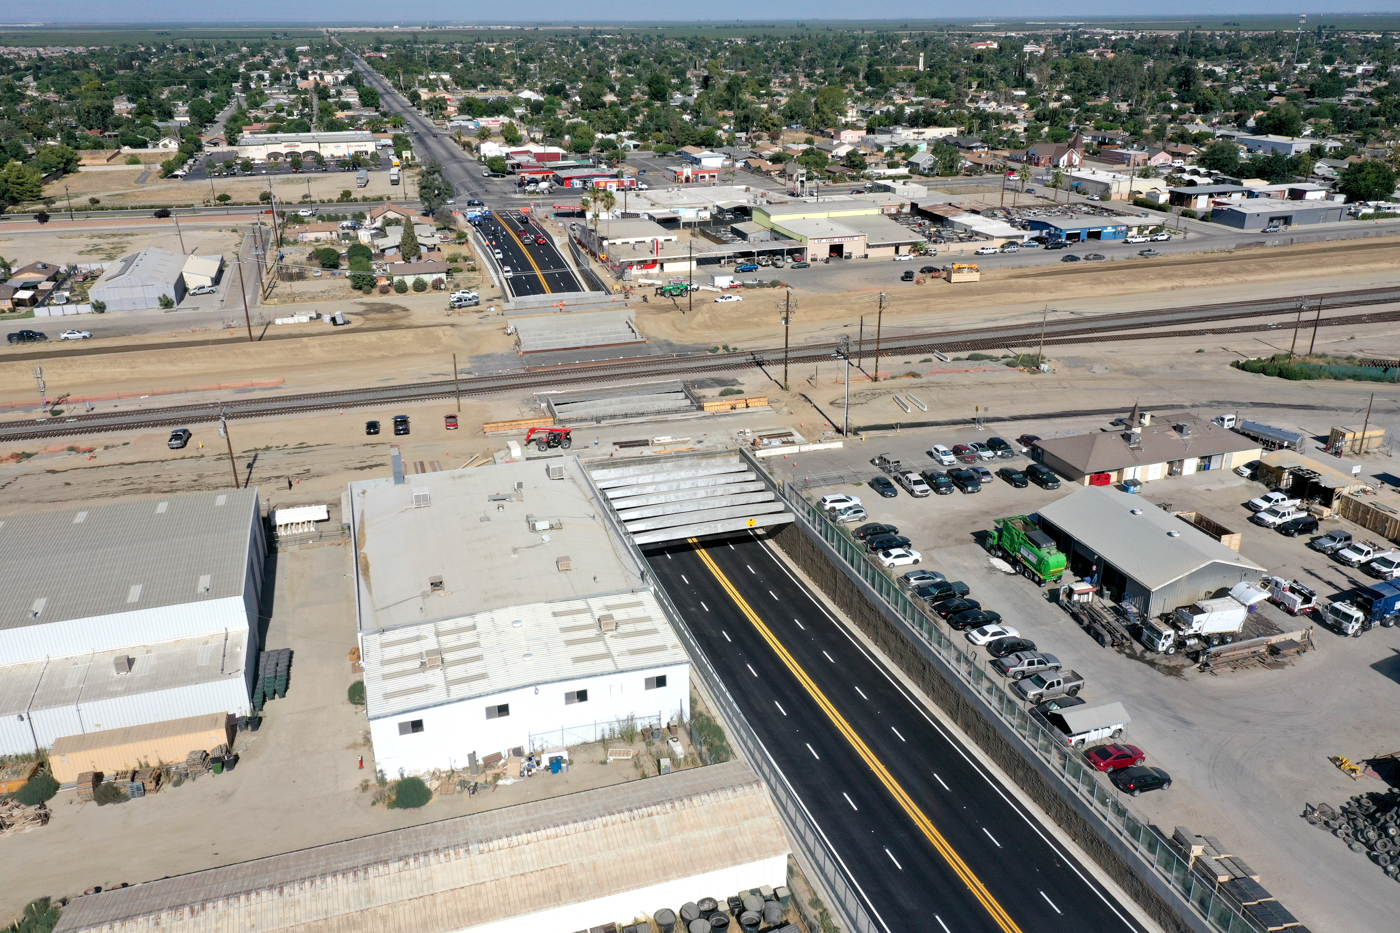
x=498, y=610
x=123, y=615
x=139, y=281
x=1140, y=554
x=264, y=146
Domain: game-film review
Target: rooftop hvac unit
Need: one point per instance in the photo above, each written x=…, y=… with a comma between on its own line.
x=435, y=584
x=555, y=471
x=564, y=563
x=123, y=664
x=607, y=623
x=422, y=497
x=432, y=660
x=1184, y=429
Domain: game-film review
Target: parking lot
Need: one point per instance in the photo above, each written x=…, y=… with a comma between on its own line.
x=1245, y=749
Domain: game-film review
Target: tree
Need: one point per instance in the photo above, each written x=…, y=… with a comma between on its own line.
x=355, y=693
x=295, y=161
x=20, y=183
x=60, y=159
x=93, y=202
x=434, y=190
x=328, y=257
x=166, y=302
x=264, y=196
x=511, y=134
x=369, y=97
x=855, y=159
x=581, y=138
x=223, y=198
x=1283, y=120
x=658, y=87
x=1057, y=179
x=1371, y=180
x=496, y=165
x=1222, y=157
x=98, y=306
x=420, y=284
x=40, y=916
x=408, y=246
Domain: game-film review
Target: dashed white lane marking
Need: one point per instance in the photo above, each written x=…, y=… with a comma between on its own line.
x=829, y=658
x=940, y=780
x=1051, y=903
x=991, y=837
x=751, y=670
x=893, y=859
x=726, y=636
x=861, y=692
x=780, y=707
x=687, y=582
x=812, y=750
x=772, y=594
x=800, y=625
x=850, y=801
x=896, y=732
x=942, y=924
x=703, y=606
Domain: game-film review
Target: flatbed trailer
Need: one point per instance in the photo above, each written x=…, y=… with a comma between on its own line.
x=1100, y=621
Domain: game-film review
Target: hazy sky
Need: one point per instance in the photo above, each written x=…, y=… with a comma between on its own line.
x=319, y=12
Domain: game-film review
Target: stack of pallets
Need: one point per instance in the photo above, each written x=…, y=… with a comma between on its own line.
x=274, y=668
x=197, y=762
x=87, y=784
x=149, y=779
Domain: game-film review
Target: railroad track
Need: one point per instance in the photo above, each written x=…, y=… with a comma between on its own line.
x=1135, y=325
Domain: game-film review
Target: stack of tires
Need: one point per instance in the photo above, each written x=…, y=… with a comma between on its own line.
x=1367, y=823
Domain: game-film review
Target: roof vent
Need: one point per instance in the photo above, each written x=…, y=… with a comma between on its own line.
x=1173, y=534
x=123, y=664
x=607, y=623
x=516, y=624
x=435, y=584
x=1135, y=511
x=528, y=656
x=431, y=659
x=422, y=497
x=1184, y=429
x=38, y=607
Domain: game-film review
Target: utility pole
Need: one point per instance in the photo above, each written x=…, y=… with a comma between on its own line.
x=843, y=353
x=177, y=230
x=690, y=292
x=860, y=345
x=1365, y=427
x=243, y=289
x=787, y=320
x=879, y=322
x=455, y=384
x=70, y=203
x=42, y=386
x=223, y=432
x=1297, y=322
x=1316, y=321
x=1040, y=354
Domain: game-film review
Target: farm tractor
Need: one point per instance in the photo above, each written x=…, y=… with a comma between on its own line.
x=545, y=438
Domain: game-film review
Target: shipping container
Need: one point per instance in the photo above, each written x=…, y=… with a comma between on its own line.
x=152, y=745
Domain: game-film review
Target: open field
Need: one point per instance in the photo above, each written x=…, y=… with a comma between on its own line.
x=119, y=188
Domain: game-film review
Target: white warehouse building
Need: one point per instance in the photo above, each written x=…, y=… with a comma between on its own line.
x=498, y=611
x=128, y=614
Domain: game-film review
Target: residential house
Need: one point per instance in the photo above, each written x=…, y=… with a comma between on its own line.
x=433, y=272
x=968, y=143
x=1057, y=155
x=318, y=233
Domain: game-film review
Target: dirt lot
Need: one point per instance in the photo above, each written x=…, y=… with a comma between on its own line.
x=59, y=245
x=297, y=783
x=120, y=188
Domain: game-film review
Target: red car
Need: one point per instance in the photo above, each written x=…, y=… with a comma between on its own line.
x=540, y=241
x=1028, y=440
x=1115, y=756
x=964, y=453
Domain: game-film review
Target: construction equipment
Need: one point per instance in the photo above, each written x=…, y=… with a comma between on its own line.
x=1018, y=539
x=1346, y=766
x=672, y=290
x=963, y=272
x=545, y=438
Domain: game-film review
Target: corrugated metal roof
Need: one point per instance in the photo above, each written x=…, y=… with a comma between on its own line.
x=107, y=559
x=417, y=666
x=466, y=871
x=1153, y=547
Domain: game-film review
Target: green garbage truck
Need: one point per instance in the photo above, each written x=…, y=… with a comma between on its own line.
x=1030, y=550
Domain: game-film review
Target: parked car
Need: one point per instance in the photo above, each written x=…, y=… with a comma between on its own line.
x=725, y=298
x=802, y=264
x=851, y=513
x=917, y=578
x=1302, y=525
x=746, y=267
x=1269, y=500
x=990, y=633
x=885, y=488
x=966, y=481
x=885, y=542
x=943, y=589
x=837, y=501
x=897, y=557
x=179, y=438
x=1010, y=248
x=942, y=455
x=1135, y=238
x=204, y=290
x=954, y=605
x=1248, y=470
x=1070, y=258
x=984, y=452
x=973, y=617
x=939, y=482
x=928, y=270
x=1001, y=448
x=1333, y=541
x=964, y=453
x=401, y=424
x=1002, y=647
x=1028, y=440
x=904, y=257
x=913, y=484
x=371, y=427
x=449, y=422
x=1115, y=756
x=874, y=529
x=1160, y=237
x=983, y=474
x=1137, y=780
x=1042, y=476
x=1015, y=477
x=75, y=335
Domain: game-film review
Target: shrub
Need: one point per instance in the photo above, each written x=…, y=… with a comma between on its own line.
x=42, y=217
x=98, y=306
x=410, y=794
x=981, y=356
x=167, y=302
x=133, y=160
x=420, y=285
x=224, y=198
x=731, y=391
x=356, y=693
x=109, y=793
x=40, y=916
x=328, y=257
x=41, y=787
x=1187, y=212
x=710, y=735
x=400, y=287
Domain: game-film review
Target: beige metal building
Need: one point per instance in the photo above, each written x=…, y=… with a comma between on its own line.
x=1154, y=448
x=573, y=862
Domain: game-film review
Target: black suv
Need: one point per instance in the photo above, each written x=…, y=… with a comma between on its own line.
x=1002, y=449
x=965, y=480
x=908, y=276
x=371, y=427
x=938, y=481
x=1302, y=525
x=401, y=424
x=1042, y=476
x=1009, y=644
x=28, y=336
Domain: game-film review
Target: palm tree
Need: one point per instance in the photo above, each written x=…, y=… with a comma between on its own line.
x=585, y=203
x=1057, y=178
x=608, y=200
x=1024, y=174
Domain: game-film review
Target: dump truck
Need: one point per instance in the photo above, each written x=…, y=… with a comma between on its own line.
x=1204, y=623
x=1379, y=603
x=1019, y=540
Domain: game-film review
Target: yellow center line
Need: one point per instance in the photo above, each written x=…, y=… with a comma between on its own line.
x=974, y=884
x=528, y=258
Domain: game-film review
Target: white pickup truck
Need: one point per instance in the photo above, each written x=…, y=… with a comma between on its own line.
x=1270, y=500
x=1276, y=515
x=1363, y=552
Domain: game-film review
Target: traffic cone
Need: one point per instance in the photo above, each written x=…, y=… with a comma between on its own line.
x=362, y=762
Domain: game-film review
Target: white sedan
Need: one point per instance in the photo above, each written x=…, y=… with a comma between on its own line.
x=838, y=501
x=897, y=557
x=729, y=298
x=988, y=633
x=75, y=335
x=904, y=257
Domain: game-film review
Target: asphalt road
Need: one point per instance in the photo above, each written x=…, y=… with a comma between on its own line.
x=536, y=269
x=927, y=836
